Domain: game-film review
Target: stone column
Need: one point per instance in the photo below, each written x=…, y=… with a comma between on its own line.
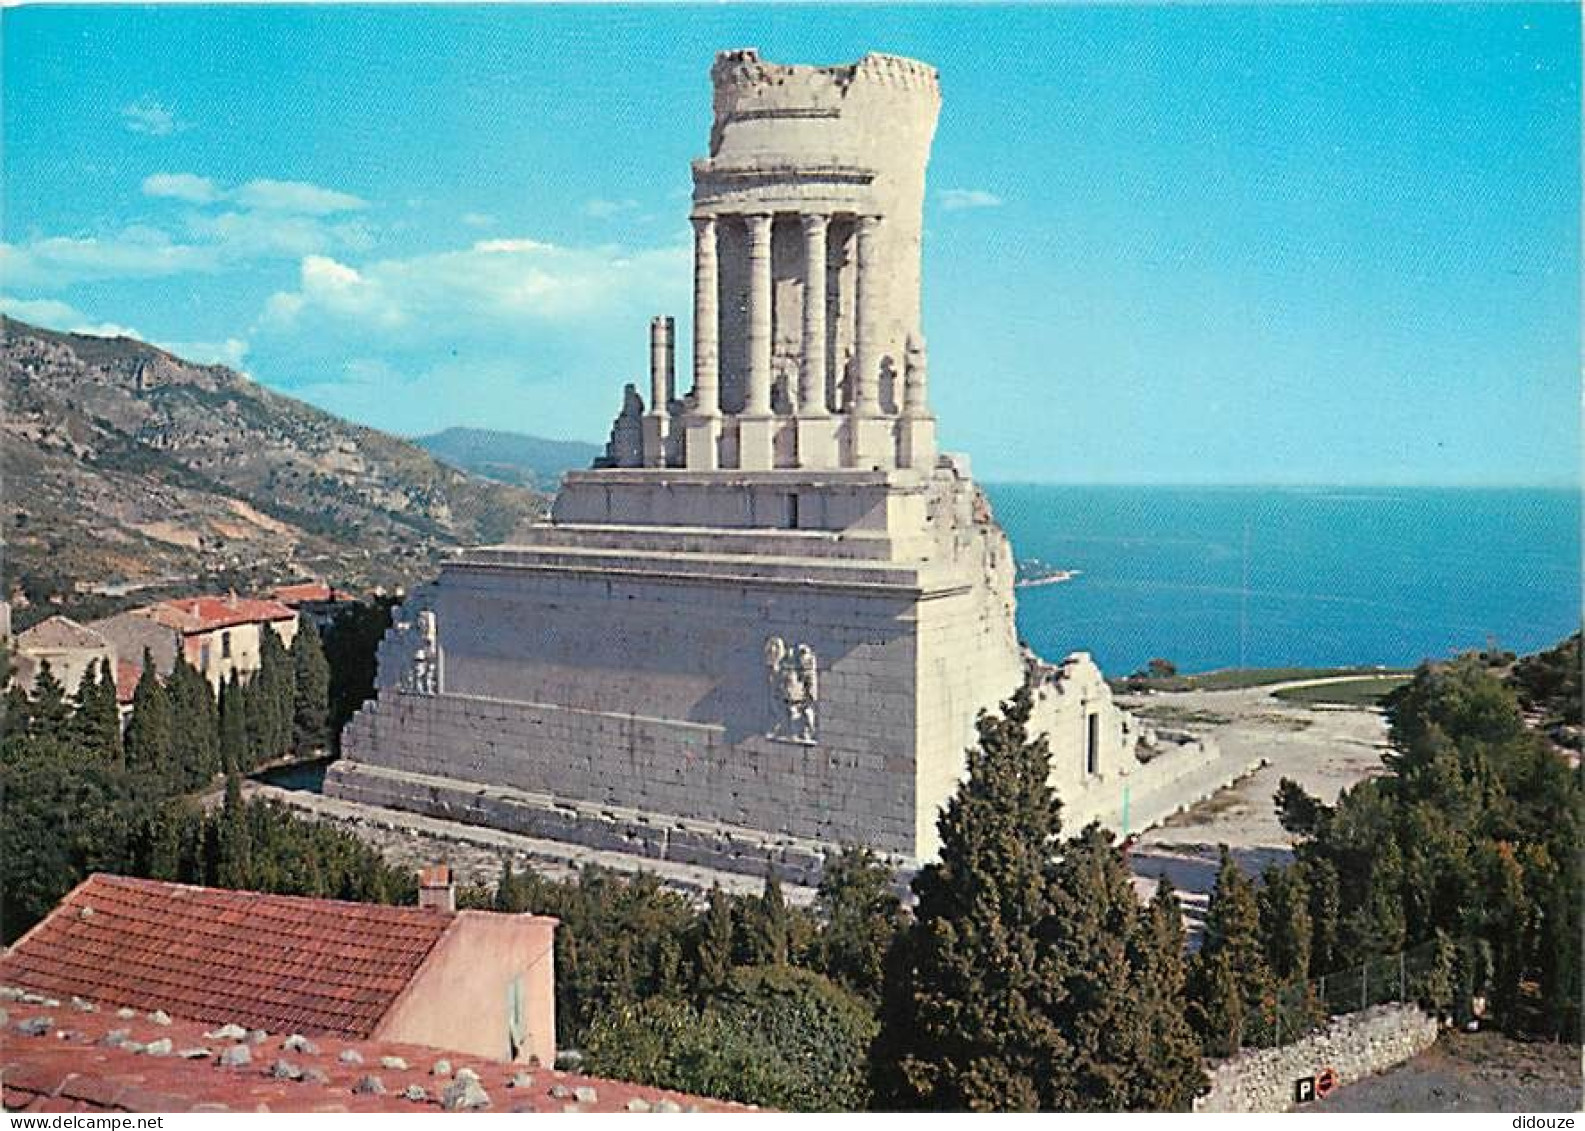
x=866, y=334
x=812, y=383
x=702, y=433
x=757, y=402
x=656, y=422
x=706, y=319
x=916, y=431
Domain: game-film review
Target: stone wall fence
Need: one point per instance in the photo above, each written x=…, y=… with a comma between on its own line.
x=1353, y=1046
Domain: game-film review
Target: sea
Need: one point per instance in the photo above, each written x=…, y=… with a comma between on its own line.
x=1215, y=578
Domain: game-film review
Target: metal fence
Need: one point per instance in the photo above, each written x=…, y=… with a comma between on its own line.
x=1442, y=975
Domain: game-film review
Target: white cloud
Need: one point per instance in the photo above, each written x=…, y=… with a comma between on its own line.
x=136, y=252
x=296, y=197
x=605, y=209
x=149, y=116
x=478, y=219
x=492, y=284
x=182, y=186
x=269, y=220
x=53, y=314
x=954, y=199
x=229, y=352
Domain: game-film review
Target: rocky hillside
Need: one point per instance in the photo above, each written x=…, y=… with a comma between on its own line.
x=125, y=466
x=510, y=457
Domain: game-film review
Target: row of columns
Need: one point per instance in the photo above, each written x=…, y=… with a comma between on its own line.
x=811, y=398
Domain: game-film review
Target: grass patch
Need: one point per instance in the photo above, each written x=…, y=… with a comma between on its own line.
x=1184, y=716
x=1237, y=679
x=1349, y=693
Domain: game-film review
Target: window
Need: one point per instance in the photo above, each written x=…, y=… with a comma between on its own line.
x=792, y=512
x=225, y=645
x=1092, y=742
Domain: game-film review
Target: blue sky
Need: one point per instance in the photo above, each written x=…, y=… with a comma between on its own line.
x=1283, y=244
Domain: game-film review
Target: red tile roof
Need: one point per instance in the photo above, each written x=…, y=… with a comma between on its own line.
x=276, y=962
x=205, y=614
x=127, y=675
x=309, y=592
x=79, y=1055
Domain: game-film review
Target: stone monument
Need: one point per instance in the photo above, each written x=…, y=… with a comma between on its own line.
x=764, y=623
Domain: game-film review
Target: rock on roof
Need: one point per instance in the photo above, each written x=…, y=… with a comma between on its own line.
x=59, y=632
x=76, y=1054
x=310, y=592
x=274, y=962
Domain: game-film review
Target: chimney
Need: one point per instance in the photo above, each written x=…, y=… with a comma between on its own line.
x=436, y=892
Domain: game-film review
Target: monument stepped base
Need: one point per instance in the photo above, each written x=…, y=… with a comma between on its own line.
x=646, y=835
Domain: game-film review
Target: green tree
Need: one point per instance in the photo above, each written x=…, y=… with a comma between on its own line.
x=351, y=644
x=277, y=692
x=1231, y=991
x=777, y=1036
x=712, y=944
x=1167, y=1075
x=311, y=690
x=966, y=1023
x=95, y=726
x=511, y=896
x=764, y=927
x=233, y=727
x=49, y=711
x=860, y=914
x=234, y=861
x=150, y=730
x=1285, y=925
x=195, y=746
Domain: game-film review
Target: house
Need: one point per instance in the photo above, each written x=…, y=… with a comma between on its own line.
x=319, y=602
x=471, y=981
x=217, y=635
x=69, y=648
x=141, y=995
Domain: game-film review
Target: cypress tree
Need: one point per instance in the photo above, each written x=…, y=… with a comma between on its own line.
x=860, y=914
x=966, y=1024
x=18, y=719
x=510, y=897
x=1167, y=1074
x=49, y=713
x=277, y=695
x=234, y=867
x=150, y=731
x=1285, y=925
x=311, y=690
x=95, y=726
x=1098, y=1010
x=233, y=727
x=196, y=748
x=712, y=945
x=765, y=929
x=1232, y=962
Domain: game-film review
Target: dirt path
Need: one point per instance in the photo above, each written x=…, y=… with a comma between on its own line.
x=1324, y=749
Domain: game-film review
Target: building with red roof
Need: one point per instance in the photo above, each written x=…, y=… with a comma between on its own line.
x=217, y=635
x=146, y=996
x=471, y=981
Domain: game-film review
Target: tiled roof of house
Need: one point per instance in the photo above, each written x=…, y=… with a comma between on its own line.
x=205, y=614
x=275, y=962
x=75, y=1054
x=309, y=592
x=59, y=632
x=127, y=675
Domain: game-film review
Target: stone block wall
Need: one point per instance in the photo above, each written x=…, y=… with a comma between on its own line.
x=1354, y=1046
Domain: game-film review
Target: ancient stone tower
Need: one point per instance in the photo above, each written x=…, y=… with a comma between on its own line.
x=765, y=622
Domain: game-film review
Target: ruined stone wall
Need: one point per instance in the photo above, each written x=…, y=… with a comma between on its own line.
x=1354, y=1046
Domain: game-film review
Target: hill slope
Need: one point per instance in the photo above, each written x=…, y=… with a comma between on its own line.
x=124, y=465
x=509, y=457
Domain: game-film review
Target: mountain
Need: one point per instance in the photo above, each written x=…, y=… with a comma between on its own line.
x=509, y=457
x=126, y=467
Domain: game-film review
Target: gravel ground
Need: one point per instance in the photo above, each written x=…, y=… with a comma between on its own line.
x=1471, y=1072
x=1324, y=749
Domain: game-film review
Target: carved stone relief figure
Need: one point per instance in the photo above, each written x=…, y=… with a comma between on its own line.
x=795, y=689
